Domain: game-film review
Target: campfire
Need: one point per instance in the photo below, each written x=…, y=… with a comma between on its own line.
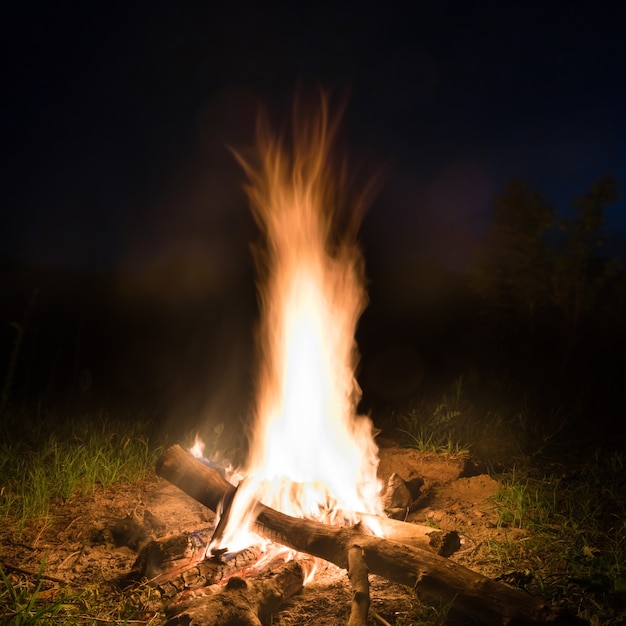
x=310, y=454
x=310, y=484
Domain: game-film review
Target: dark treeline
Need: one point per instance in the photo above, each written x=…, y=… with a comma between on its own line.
x=552, y=300
x=539, y=313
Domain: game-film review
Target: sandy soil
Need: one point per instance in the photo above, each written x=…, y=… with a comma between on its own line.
x=94, y=540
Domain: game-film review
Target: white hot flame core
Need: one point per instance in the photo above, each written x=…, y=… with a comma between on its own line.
x=311, y=455
x=197, y=450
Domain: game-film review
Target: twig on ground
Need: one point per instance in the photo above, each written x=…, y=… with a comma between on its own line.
x=379, y=618
x=21, y=570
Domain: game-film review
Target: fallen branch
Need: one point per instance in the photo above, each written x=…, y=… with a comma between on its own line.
x=469, y=595
x=357, y=572
x=26, y=572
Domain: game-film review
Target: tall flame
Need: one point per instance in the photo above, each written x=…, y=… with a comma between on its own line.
x=310, y=453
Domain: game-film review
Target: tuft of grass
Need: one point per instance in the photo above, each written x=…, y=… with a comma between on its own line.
x=574, y=547
x=46, y=465
x=44, y=460
x=439, y=427
x=427, y=442
x=24, y=603
x=462, y=418
x=20, y=602
x=564, y=524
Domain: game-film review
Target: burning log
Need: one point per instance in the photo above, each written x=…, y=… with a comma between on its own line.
x=470, y=595
x=176, y=565
x=210, y=488
x=244, y=602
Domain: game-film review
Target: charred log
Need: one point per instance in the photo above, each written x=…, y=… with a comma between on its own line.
x=176, y=565
x=241, y=602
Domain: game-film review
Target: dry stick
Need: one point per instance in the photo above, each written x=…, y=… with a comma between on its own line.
x=21, y=570
x=379, y=618
x=471, y=596
x=357, y=573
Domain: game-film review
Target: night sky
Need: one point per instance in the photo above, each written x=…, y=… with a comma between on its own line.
x=117, y=119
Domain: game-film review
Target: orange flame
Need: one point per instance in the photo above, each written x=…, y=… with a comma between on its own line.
x=311, y=455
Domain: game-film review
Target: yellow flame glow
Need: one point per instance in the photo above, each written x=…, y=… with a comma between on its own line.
x=311, y=455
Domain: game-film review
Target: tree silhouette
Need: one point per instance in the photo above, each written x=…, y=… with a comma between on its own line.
x=542, y=278
x=511, y=269
x=580, y=270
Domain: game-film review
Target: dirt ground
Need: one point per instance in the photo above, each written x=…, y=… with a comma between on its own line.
x=94, y=540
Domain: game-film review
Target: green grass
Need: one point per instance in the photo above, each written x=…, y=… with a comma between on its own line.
x=564, y=526
x=448, y=424
x=23, y=603
x=574, y=548
x=19, y=602
x=471, y=416
x=567, y=541
x=430, y=443
x=46, y=461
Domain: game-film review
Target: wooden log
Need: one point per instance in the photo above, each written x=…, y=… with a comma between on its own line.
x=357, y=573
x=176, y=565
x=209, y=487
x=196, y=479
x=470, y=596
x=247, y=602
x=441, y=542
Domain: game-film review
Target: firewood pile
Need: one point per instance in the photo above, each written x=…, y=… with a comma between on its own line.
x=247, y=587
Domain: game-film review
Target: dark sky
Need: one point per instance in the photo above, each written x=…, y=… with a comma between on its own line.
x=116, y=117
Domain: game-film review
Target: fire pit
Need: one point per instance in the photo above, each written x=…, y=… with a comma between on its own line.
x=310, y=482
x=437, y=579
